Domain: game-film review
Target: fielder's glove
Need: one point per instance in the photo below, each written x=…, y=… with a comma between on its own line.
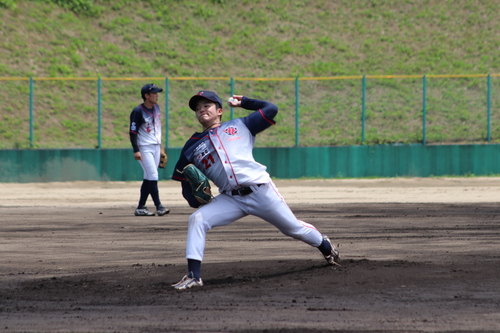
x=199, y=183
x=163, y=158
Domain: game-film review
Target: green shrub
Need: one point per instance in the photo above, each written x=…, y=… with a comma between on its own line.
x=9, y=4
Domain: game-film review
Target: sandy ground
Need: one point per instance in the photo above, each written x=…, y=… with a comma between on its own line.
x=386, y=190
x=419, y=255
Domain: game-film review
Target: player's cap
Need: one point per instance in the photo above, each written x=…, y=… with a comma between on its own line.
x=150, y=88
x=210, y=95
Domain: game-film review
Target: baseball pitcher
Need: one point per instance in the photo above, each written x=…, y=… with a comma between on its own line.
x=222, y=151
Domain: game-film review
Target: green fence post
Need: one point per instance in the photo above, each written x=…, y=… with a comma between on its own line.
x=488, y=103
x=99, y=113
x=363, y=108
x=231, y=87
x=424, y=109
x=167, y=111
x=296, y=111
x=32, y=87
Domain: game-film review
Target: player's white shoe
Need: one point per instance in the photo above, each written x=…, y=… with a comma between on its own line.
x=161, y=210
x=334, y=257
x=143, y=212
x=187, y=282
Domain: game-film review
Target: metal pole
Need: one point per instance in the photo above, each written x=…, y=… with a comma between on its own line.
x=296, y=112
x=99, y=113
x=167, y=111
x=363, y=109
x=424, y=110
x=488, y=97
x=32, y=87
x=231, y=84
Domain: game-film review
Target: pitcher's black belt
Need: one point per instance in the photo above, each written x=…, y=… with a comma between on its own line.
x=243, y=190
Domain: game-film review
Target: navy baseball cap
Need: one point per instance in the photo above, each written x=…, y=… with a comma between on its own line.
x=150, y=88
x=210, y=95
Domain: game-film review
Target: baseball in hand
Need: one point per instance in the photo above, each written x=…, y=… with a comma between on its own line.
x=232, y=100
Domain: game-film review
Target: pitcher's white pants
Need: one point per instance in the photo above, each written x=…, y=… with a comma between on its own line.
x=265, y=202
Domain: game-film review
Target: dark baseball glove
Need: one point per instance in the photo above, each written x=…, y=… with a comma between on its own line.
x=163, y=158
x=199, y=183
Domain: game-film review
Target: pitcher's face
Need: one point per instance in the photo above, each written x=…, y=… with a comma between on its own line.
x=208, y=113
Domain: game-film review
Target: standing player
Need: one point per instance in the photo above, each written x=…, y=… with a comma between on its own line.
x=145, y=136
x=223, y=152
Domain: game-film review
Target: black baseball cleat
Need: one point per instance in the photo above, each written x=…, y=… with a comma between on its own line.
x=334, y=257
x=187, y=282
x=161, y=210
x=143, y=212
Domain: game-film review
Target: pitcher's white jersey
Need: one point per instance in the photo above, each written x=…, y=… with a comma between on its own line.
x=224, y=153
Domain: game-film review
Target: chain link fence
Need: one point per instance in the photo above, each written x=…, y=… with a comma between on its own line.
x=43, y=113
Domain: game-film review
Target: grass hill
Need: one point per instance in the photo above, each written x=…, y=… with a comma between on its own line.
x=251, y=39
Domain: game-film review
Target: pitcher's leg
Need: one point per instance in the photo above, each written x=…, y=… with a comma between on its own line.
x=222, y=210
x=271, y=207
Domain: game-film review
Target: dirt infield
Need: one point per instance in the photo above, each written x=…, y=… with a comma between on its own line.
x=419, y=255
